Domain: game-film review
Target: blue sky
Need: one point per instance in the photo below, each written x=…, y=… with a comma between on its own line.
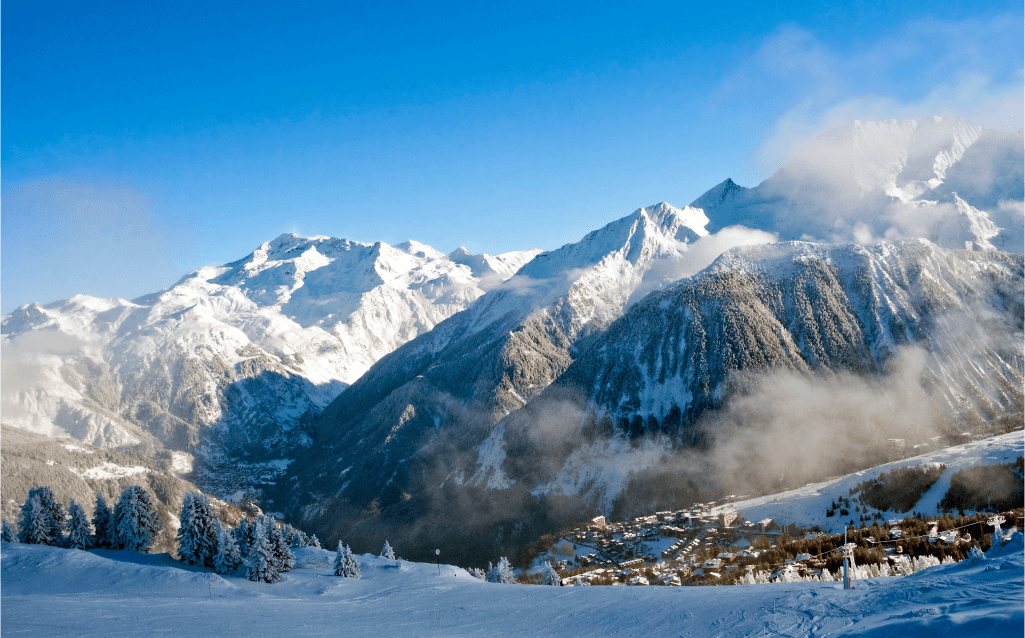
x=142, y=140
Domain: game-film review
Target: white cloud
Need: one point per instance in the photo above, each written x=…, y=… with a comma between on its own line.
x=970, y=68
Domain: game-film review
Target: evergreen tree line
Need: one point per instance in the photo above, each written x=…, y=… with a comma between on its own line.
x=899, y=489
x=131, y=525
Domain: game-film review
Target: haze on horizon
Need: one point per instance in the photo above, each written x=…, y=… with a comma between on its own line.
x=143, y=142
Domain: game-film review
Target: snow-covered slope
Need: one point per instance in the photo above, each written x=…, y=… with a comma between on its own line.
x=943, y=179
x=807, y=505
x=227, y=362
x=49, y=591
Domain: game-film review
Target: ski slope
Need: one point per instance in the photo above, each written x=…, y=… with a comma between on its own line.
x=807, y=505
x=56, y=592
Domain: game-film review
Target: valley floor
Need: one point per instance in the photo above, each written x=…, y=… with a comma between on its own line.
x=56, y=592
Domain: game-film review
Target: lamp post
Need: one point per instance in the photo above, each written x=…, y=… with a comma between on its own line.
x=437, y=553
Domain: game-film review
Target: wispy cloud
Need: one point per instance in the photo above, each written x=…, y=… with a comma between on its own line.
x=922, y=68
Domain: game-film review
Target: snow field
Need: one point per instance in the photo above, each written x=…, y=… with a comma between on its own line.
x=51, y=591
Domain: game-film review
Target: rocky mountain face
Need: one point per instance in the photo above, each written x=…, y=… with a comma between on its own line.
x=231, y=362
x=903, y=340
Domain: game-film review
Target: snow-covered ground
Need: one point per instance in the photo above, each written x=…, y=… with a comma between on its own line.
x=56, y=592
x=807, y=505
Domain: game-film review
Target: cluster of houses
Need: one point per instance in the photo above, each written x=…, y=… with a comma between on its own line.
x=663, y=547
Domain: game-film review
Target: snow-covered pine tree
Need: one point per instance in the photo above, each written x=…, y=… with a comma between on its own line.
x=345, y=563
x=101, y=523
x=477, y=573
x=228, y=558
x=7, y=533
x=79, y=534
x=340, y=559
x=289, y=534
x=261, y=556
x=549, y=576
x=35, y=527
x=387, y=551
x=284, y=559
x=505, y=572
x=197, y=531
x=50, y=513
x=134, y=520
x=314, y=542
x=301, y=539
x=245, y=534
x=492, y=574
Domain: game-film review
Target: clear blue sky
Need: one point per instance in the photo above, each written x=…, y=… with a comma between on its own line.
x=141, y=140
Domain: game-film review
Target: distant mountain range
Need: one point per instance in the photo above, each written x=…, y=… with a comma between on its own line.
x=372, y=390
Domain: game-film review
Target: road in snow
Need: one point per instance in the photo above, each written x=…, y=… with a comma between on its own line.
x=57, y=592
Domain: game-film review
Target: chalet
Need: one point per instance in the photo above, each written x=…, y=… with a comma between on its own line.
x=629, y=564
x=712, y=563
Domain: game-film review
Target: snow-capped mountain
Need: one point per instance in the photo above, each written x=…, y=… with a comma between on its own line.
x=944, y=179
x=480, y=364
x=752, y=329
x=229, y=361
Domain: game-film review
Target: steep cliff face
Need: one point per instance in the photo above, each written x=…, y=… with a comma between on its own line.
x=813, y=307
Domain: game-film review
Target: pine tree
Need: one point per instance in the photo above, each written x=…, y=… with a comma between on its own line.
x=245, y=534
x=314, y=542
x=549, y=576
x=134, y=521
x=35, y=527
x=301, y=539
x=505, y=572
x=387, y=551
x=345, y=563
x=7, y=534
x=101, y=523
x=79, y=534
x=284, y=559
x=289, y=534
x=492, y=575
x=197, y=532
x=228, y=558
x=261, y=556
x=478, y=573
x=50, y=513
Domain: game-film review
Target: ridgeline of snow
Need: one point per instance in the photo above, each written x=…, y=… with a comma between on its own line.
x=50, y=591
x=247, y=349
